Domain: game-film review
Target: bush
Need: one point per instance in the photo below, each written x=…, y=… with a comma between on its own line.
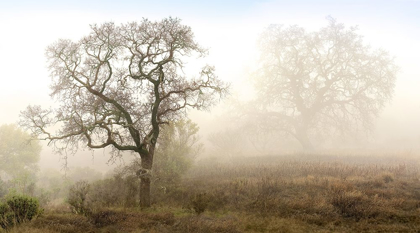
x=120, y=190
x=351, y=203
x=200, y=202
x=78, y=198
x=105, y=217
x=4, y=216
x=18, y=209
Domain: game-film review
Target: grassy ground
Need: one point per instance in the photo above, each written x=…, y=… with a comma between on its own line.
x=309, y=193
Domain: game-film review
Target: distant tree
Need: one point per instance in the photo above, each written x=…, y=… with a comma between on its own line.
x=18, y=154
x=311, y=82
x=119, y=85
x=19, y=157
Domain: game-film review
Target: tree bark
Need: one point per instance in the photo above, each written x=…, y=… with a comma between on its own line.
x=145, y=192
x=145, y=180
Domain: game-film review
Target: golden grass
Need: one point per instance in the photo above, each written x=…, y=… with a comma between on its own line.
x=317, y=193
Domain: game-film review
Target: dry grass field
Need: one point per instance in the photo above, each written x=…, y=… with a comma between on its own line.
x=292, y=193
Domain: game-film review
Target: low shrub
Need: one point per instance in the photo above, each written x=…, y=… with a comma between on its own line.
x=78, y=198
x=200, y=202
x=105, y=217
x=18, y=209
x=119, y=190
x=351, y=203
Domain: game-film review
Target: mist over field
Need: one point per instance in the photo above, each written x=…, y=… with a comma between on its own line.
x=233, y=116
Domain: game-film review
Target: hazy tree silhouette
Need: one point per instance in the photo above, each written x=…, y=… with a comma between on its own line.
x=322, y=80
x=18, y=154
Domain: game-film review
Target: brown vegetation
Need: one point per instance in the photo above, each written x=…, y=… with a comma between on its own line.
x=309, y=193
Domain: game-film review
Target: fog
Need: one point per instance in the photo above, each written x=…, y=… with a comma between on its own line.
x=229, y=31
x=217, y=116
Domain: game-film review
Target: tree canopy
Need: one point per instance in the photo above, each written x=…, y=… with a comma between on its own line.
x=314, y=82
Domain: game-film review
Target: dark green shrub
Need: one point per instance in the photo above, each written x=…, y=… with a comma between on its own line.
x=4, y=210
x=24, y=207
x=18, y=209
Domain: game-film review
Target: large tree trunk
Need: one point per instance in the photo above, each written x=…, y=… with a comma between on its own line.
x=145, y=180
x=144, y=192
x=302, y=137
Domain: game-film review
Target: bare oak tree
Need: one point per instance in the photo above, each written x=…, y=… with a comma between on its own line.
x=117, y=87
x=328, y=79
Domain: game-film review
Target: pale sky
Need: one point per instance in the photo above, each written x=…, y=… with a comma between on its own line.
x=227, y=28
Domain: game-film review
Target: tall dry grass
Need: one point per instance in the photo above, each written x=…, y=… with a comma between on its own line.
x=292, y=193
